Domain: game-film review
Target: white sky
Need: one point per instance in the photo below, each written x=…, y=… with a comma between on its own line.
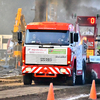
x=95, y=4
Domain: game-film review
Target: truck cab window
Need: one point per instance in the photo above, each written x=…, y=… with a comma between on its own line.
x=47, y=37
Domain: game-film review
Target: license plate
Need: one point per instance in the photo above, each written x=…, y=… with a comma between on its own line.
x=46, y=59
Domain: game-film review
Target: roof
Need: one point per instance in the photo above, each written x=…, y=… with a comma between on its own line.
x=48, y=26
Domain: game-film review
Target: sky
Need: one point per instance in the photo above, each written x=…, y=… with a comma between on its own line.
x=92, y=3
x=8, y=10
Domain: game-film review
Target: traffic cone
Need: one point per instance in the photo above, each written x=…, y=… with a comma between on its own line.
x=50, y=93
x=93, y=94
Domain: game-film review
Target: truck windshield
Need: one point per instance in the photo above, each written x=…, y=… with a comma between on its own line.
x=52, y=37
x=87, y=31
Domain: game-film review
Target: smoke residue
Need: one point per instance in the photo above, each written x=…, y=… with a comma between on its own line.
x=71, y=6
x=8, y=10
x=40, y=10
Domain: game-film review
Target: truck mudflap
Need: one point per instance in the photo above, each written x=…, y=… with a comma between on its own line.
x=45, y=70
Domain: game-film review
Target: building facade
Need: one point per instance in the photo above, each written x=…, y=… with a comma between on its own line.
x=3, y=41
x=3, y=44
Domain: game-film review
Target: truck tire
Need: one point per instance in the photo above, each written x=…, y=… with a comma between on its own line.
x=27, y=78
x=81, y=79
x=72, y=80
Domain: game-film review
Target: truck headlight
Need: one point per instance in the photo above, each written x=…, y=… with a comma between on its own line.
x=62, y=70
x=28, y=69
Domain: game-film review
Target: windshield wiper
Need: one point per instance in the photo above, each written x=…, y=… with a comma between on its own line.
x=59, y=44
x=33, y=43
x=49, y=43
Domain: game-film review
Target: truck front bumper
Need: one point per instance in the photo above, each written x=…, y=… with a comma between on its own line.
x=46, y=69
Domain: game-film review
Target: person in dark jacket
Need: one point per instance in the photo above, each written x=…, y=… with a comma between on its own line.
x=35, y=39
x=63, y=40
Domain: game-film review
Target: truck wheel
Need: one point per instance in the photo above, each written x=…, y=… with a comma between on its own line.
x=84, y=73
x=82, y=78
x=27, y=78
x=72, y=79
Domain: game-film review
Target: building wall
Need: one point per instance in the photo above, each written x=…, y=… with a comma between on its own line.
x=3, y=41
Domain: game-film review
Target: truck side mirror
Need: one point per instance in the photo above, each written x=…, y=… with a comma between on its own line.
x=75, y=37
x=71, y=37
x=19, y=37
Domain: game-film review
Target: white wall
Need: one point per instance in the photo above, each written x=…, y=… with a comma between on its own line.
x=4, y=45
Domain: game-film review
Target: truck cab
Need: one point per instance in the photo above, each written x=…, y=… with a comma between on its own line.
x=50, y=51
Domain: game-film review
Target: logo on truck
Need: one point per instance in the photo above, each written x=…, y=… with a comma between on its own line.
x=37, y=51
x=57, y=51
